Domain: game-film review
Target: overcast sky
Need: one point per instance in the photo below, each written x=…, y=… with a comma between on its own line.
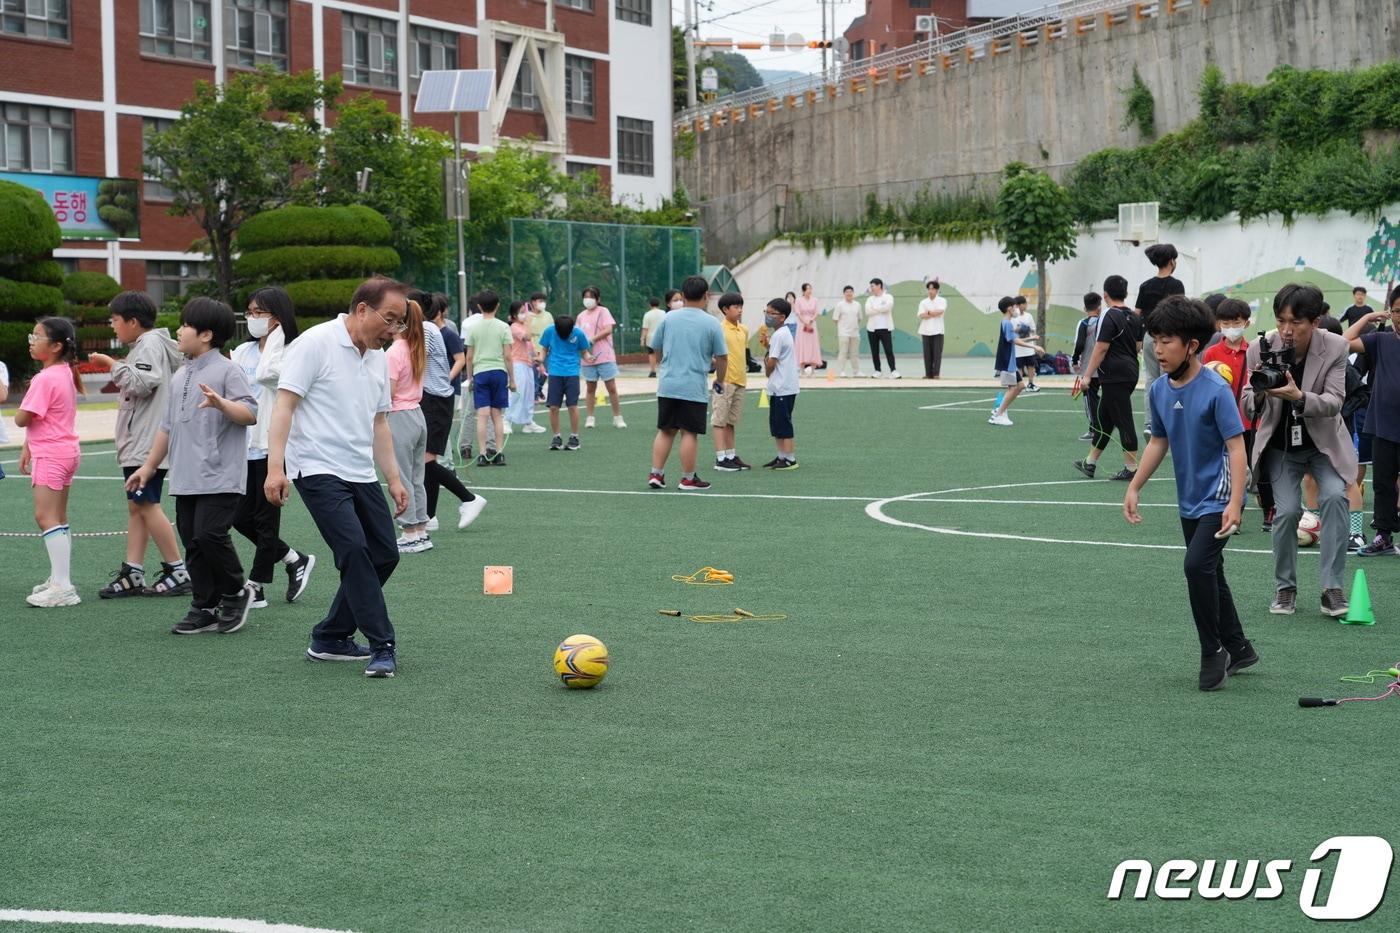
x=745, y=21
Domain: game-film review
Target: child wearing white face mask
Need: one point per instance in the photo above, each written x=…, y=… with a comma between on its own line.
x=1232, y=318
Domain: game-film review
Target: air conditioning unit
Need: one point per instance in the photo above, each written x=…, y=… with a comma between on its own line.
x=925, y=24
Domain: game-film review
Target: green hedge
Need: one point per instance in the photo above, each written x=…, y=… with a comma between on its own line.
x=27, y=225
x=14, y=350
x=295, y=263
x=354, y=225
x=26, y=301
x=90, y=288
x=322, y=297
x=38, y=271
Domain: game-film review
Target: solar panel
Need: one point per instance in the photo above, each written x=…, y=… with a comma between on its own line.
x=462, y=91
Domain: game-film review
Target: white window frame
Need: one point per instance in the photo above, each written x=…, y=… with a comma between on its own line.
x=266, y=15
x=630, y=142
x=152, y=189
x=29, y=129
x=36, y=19
x=581, y=71
x=443, y=52
x=178, y=19
x=380, y=68
x=637, y=12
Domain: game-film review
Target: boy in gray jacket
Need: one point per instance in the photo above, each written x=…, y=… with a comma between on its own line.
x=144, y=379
x=205, y=432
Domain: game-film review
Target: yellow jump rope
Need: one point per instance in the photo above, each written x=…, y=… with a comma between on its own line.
x=713, y=576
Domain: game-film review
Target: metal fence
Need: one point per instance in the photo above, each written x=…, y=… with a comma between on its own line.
x=627, y=263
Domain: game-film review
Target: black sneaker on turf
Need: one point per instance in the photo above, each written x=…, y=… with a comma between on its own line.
x=169, y=583
x=1124, y=475
x=573, y=442
x=299, y=575
x=1215, y=669
x=1242, y=657
x=1085, y=467
x=259, y=596
x=232, y=613
x=741, y=464
x=128, y=581
x=1382, y=544
x=772, y=464
x=556, y=443
x=692, y=484
x=785, y=465
x=464, y=451
x=499, y=459
x=1285, y=601
x=195, y=622
x=1268, y=520
x=727, y=465
x=484, y=459
x=383, y=663
x=1334, y=603
x=339, y=649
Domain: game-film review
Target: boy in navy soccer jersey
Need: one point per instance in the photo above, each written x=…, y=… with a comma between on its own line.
x=1194, y=415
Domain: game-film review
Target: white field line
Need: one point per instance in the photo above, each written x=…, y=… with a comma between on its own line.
x=161, y=921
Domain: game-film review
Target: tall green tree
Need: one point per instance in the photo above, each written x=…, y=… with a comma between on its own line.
x=1034, y=223
x=237, y=149
x=405, y=184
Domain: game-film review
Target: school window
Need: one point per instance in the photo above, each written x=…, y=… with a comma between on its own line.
x=38, y=19
x=578, y=85
x=577, y=170
x=920, y=4
x=634, y=147
x=178, y=28
x=36, y=139
x=369, y=50
x=431, y=50
x=523, y=96
x=171, y=278
x=153, y=189
x=634, y=11
x=255, y=32
x=584, y=5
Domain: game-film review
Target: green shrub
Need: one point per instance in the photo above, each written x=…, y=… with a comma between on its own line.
x=322, y=297
x=90, y=288
x=38, y=271
x=283, y=264
x=14, y=350
x=28, y=229
x=354, y=225
x=26, y=301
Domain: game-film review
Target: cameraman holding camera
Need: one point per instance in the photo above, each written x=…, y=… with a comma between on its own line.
x=1298, y=381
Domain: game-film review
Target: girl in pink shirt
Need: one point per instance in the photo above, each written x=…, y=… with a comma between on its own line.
x=407, y=361
x=521, y=413
x=50, y=453
x=600, y=362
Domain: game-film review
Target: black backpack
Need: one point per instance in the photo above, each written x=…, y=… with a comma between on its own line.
x=1358, y=395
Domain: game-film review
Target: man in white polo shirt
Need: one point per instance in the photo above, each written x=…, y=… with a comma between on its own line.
x=328, y=431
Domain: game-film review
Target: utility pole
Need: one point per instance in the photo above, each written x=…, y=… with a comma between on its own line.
x=823, y=2
x=690, y=30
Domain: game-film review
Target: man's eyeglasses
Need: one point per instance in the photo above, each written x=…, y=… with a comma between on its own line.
x=397, y=327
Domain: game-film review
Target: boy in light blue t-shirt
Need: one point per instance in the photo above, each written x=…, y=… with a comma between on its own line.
x=563, y=346
x=1196, y=418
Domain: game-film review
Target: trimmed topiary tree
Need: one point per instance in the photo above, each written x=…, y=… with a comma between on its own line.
x=29, y=277
x=318, y=254
x=90, y=288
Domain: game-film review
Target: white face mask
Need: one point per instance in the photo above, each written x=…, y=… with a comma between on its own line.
x=676, y=304
x=1234, y=333
x=589, y=304
x=539, y=307
x=259, y=326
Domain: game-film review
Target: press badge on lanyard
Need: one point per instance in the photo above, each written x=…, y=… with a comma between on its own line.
x=1295, y=431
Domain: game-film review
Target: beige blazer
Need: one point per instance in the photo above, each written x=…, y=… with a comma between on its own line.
x=1324, y=387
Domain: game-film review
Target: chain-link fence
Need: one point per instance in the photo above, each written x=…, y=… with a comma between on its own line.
x=627, y=263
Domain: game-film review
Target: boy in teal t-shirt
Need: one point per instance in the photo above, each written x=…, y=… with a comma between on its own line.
x=563, y=345
x=488, y=345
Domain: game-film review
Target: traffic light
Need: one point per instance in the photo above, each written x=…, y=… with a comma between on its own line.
x=821, y=44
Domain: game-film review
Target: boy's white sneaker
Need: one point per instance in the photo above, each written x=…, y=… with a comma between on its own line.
x=54, y=597
x=618, y=422
x=894, y=374
x=468, y=511
x=590, y=422
x=507, y=429
x=532, y=428
x=432, y=524
x=1000, y=420
x=47, y=584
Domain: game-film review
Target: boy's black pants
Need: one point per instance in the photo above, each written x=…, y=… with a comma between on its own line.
x=1212, y=606
x=1116, y=412
x=203, y=522
x=1385, y=460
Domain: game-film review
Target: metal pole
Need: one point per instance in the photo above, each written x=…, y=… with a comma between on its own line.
x=824, y=39
x=463, y=205
x=690, y=29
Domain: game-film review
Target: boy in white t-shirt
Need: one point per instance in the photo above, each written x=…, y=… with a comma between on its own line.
x=846, y=316
x=1024, y=322
x=879, y=325
x=781, y=367
x=931, y=328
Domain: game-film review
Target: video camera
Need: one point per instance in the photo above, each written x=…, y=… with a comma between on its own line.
x=1273, y=366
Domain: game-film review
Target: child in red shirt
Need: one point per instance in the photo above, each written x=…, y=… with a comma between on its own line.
x=1232, y=317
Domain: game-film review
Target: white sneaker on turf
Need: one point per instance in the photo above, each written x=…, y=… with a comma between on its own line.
x=618, y=422
x=533, y=428
x=507, y=429
x=894, y=374
x=589, y=422
x=432, y=524
x=54, y=597
x=468, y=511
x=1000, y=421
x=858, y=375
x=47, y=584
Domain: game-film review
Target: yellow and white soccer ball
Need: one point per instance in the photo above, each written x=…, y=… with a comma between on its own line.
x=1309, y=528
x=1223, y=370
x=581, y=661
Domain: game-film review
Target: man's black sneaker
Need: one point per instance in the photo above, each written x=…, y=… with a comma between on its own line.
x=1382, y=544
x=1124, y=475
x=741, y=464
x=1242, y=657
x=483, y=460
x=772, y=464
x=382, y=664
x=1285, y=601
x=573, y=442
x=556, y=443
x=233, y=611
x=128, y=581
x=652, y=374
x=337, y=649
x=1334, y=603
x=727, y=465
x=1268, y=520
x=464, y=451
x=1215, y=669
x=299, y=575
x=1085, y=467
x=499, y=459
x=259, y=596
x=195, y=622
x=786, y=465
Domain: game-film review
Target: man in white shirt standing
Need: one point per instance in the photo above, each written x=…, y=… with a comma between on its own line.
x=846, y=316
x=879, y=325
x=931, y=312
x=328, y=431
x=1024, y=322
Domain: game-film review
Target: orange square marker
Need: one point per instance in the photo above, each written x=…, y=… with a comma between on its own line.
x=498, y=581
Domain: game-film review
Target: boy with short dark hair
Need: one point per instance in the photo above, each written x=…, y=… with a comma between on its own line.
x=1196, y=418
x=781, y=367
x=205, y=433
x=728, y=405
x=1006, y=370
x=143, y=379
x=562, y=346
x=1084, y=337
x=488, y=345
x=1232, y=318
x=650, y=321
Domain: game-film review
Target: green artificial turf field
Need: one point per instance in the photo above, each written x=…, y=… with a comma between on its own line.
x=949, y=732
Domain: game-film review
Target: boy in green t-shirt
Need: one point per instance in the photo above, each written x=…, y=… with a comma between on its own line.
x=488, y=346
